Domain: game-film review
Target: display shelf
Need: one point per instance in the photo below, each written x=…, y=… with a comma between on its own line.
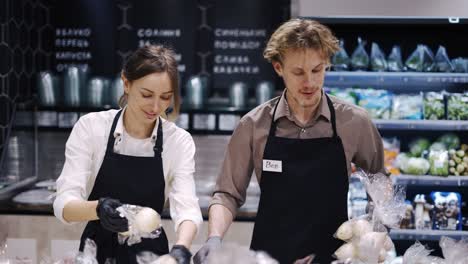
x=425, y=235
x=398, y=81
x=434, y=125
x=429, y=180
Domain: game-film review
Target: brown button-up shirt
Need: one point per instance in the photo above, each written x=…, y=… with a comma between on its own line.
x=361, y=142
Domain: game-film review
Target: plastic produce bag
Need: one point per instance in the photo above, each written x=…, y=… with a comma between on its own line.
x=347, y=95
x=234, y=254
x=407, y=106
x=438, y=160
x=378, y=61
x=418, y=254
x=394, y=61
x=416, y=166
x=450, y=140
x=460, y=65
x=421, y=60
x=457, y=106
x=360, y=58
x=340, y=60
x=88, y=256
x=455, y=252
x=434, y=106
x=442, y=61
x=148, y=257
x=418, y=145
x=378, y=103
x=143, y=222
x=446, y=214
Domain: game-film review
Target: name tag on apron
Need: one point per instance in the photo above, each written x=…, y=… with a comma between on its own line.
x=272, y=165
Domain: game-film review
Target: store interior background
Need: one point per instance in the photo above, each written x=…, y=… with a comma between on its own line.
x=33, y=136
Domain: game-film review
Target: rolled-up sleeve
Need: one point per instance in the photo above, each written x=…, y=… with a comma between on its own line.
x=72, y=182
x=370, y=153
x=234, y=178
x=182, y=196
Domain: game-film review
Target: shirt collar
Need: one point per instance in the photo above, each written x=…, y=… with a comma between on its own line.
x=119, y=128
x=284, y=111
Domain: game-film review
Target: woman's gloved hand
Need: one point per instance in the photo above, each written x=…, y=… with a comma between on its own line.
x=109, y=217
x=181, y=254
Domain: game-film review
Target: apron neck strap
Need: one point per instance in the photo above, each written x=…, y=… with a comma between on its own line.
x=111, y=139
x=332, y=116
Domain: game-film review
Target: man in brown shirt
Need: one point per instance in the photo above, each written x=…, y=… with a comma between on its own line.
x=300, y=145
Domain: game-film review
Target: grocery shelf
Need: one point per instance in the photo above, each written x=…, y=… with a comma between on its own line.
x=429, y=180
x=426, y=235
x=397, y=80
x=441, y=125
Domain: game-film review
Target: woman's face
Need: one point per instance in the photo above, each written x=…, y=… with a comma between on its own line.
x=149, y=96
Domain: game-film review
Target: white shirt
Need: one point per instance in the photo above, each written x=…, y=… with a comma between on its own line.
x=86, y=147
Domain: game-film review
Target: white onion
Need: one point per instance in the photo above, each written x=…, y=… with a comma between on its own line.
x=369, y=246
x=165, y=259
x=388, y=245
x=361, y=227
x=382, y=255
x=346, y=251
x=147, y=220
x=345, y=231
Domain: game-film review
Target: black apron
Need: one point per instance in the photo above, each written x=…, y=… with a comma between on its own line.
x=132, y=180
x=302, y=206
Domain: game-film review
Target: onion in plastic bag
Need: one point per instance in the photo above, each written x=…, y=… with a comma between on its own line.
x=442, y=61
x=360, y=58
x=421, y=60
x=394, y=61
x=378, y=61
x=143, y=222
x=340, y=60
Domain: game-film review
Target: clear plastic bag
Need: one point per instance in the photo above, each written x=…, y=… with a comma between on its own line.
x=378, y=61
x=457, y=106
x=340, y=60
x=438, y=159
x=360, y=58
x=421, y=60
x=3, y=257
x=407, y=106
x=88, y=256
x=235, y=254
x=394, y=61
x=442, y=61
x=460, y=65
x=418, y=254
x=148, y=257
x=378, y=103
x=455, y=252
x=143, y=222
x=434, y=106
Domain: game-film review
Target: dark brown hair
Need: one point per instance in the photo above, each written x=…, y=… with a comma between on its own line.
x=151, y=59
x=300, y=33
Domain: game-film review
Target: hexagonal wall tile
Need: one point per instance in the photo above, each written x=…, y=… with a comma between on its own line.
x=7, y=57
x=3, y=11
x=46, y=38
x=16, y=11
x=12, y=82
x=33, y=38
x=13, y=34
x=29, y=62
x=18, y=61
x=24, y=37
x=28, y=14
x=40, y=16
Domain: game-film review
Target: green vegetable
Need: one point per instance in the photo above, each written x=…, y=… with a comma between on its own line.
x=433, y=106
x=416, y=166
x=438, y=146
x=457, y=106
x=450, y=140
x=418, y=145
x=438, y=160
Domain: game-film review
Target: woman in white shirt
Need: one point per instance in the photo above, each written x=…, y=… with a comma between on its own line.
x=132, y=156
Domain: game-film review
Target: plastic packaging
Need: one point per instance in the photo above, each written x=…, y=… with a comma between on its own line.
x=347, y=95
x=418, y=145
x=418, y=254
x=391, y=151
x=394, y=61
x=340, y=61
x=446, y=214
x=455, y=252
x=421, y=60
x=378, y=103
x=460, y=65
x=378, y=61
x=138, y=220
x=450, y=140
x=88, y=256
x=442, y=61
x=360, y=58
x=407, y=106
x=438, y=160
x=457, y=106
x=234, y=254
x=434, y=106
x=416, y=166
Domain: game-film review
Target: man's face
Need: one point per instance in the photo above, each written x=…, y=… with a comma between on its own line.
x=303, y=72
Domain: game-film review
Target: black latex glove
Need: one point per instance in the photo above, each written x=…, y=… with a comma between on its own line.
x=109, y=217
x=181, y=254
x=212, y=244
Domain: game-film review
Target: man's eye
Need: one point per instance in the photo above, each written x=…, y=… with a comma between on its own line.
x=146, y=95
x=165, y=98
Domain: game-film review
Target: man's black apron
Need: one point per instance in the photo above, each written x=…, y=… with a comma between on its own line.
x=304, y=188
x=132, y=180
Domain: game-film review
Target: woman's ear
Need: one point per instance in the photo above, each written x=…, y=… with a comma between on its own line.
x=126, y=83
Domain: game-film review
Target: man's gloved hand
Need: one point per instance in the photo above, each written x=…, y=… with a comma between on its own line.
x=211, y=244
x=109, y=217
x=181, y=254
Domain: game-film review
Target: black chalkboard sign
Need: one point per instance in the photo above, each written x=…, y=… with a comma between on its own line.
x=241, y=30
x=85, y=35
x=169, y=22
